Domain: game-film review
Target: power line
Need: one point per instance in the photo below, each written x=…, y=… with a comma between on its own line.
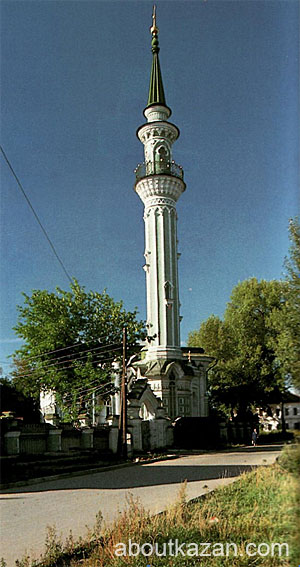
x=66, y=367
x=53, y=361
x=67, y=358
x=35, y=214
x=68, y=347
x=70, y=362
x=68, y=404
x=94, y=389
x=88, y=389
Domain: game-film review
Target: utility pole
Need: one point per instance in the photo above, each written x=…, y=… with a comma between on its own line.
x=123, y=413
x=283, y=424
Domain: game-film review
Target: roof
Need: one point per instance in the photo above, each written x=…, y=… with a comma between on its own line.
x=289, y=397
x=192, y=350
x=286, y=398
x=156, y=88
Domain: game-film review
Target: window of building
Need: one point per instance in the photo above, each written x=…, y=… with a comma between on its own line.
x=286, y=411
x=295, y=411
x=187, y=407
x=184, y=408
x=172, y=397
x=181, y=405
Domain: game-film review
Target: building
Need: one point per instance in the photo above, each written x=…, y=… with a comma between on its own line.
x=166, y=381
x=271, y=420
x=177, y=376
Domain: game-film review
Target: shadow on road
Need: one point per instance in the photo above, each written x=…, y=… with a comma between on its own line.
x=137, y=476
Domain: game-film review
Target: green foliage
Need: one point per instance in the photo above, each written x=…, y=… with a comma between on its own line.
x=247, y=370
x=71, y=338
x=287, y=320
x=257, y=345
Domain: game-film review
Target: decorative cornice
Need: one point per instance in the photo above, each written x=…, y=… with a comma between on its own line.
x=160, y=186
x=160, y=201
x=157, y=129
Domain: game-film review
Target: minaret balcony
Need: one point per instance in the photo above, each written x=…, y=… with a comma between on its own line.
x=162, y=167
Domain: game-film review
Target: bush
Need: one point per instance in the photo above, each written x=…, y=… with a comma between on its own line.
x=289, y=459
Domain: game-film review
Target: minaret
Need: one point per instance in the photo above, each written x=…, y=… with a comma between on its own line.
x=159, y=183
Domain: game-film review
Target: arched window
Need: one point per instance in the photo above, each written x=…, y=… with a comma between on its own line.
x=168, y=290
x=162, y=159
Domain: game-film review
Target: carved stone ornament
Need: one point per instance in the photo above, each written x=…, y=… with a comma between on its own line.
x=160, y=201
x=150, y=130
x=160, y=186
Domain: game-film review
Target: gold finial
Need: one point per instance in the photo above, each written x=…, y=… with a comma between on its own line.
x=154, y=29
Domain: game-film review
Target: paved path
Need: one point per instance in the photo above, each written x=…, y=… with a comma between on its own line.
x=72, y=503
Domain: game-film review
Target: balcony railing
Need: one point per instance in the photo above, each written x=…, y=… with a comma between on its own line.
x=158, y=167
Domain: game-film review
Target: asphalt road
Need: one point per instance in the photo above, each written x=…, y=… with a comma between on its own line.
x=72, y=503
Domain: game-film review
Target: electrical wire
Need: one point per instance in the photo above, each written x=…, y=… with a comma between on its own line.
x=35, y=214
x=53, y=361
x=84, y=390
x=68, y=405
x=103, y=360
x=66, y=367
x=99, y=389
x=68, y=347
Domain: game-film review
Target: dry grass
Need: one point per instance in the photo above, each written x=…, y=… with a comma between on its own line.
x=259, y=507
x=262, y=506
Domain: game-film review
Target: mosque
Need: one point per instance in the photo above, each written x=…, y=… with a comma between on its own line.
x=166, y=381
x=177, y=376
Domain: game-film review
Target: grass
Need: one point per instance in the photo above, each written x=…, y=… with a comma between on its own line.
x=262, y=506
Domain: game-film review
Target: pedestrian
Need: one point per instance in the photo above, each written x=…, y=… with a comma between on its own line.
x=254, y=437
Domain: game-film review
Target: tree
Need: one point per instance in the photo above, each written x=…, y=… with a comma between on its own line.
x=71, y=339
x=247, y=370
x=286, y=343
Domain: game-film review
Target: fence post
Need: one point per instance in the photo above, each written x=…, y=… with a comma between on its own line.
x=12, y=442
x=54, y=440
x=87, y=437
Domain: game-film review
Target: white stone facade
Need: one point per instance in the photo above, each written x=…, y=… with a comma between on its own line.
x=159, y=189
x=179, y=382
x=180, y=385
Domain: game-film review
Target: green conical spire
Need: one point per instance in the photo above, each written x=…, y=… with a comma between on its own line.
x=156, y=89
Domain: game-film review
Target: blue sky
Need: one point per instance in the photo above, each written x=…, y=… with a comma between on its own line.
x=75, y=81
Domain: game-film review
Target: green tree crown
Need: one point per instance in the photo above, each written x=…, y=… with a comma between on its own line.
x=70, y=340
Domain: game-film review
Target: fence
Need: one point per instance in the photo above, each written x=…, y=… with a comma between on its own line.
x=207, y=432
x=36, y=439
